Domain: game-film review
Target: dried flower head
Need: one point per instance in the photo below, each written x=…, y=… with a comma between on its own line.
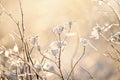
x=38, y=67
x=58, y=30
x=33, y=39
x=54, y=51
x=84, y=42
x=48, y=66
x=96, y=31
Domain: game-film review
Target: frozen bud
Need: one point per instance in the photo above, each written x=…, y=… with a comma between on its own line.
x=96, y=31
x=37, y=46
x=61, y=43
x=69, y=24
x=54, y=51
x=37, y=67
x=49, y=67
x=84, y=42
x=33, y=39
x=58, y=30
x=10, y=76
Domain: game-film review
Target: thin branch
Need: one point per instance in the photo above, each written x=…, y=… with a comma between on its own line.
x=76, y=49
x=59, y=58
x=91, y=76
x=77, y=62
x=22, y=17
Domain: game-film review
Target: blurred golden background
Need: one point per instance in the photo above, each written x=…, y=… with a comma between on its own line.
x=40, y=16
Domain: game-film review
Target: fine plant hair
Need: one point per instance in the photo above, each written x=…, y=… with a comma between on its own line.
x=25, y=68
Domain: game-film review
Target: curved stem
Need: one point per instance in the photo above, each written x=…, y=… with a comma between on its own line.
x=91, y=76
x=77, y=63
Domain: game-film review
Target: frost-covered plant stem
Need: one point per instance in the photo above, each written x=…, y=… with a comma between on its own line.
x=76, y=63
x=76, y=49
x=59, y=58
x=24, y=43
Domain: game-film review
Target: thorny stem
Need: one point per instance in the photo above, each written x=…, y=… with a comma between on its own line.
x=77, y=62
